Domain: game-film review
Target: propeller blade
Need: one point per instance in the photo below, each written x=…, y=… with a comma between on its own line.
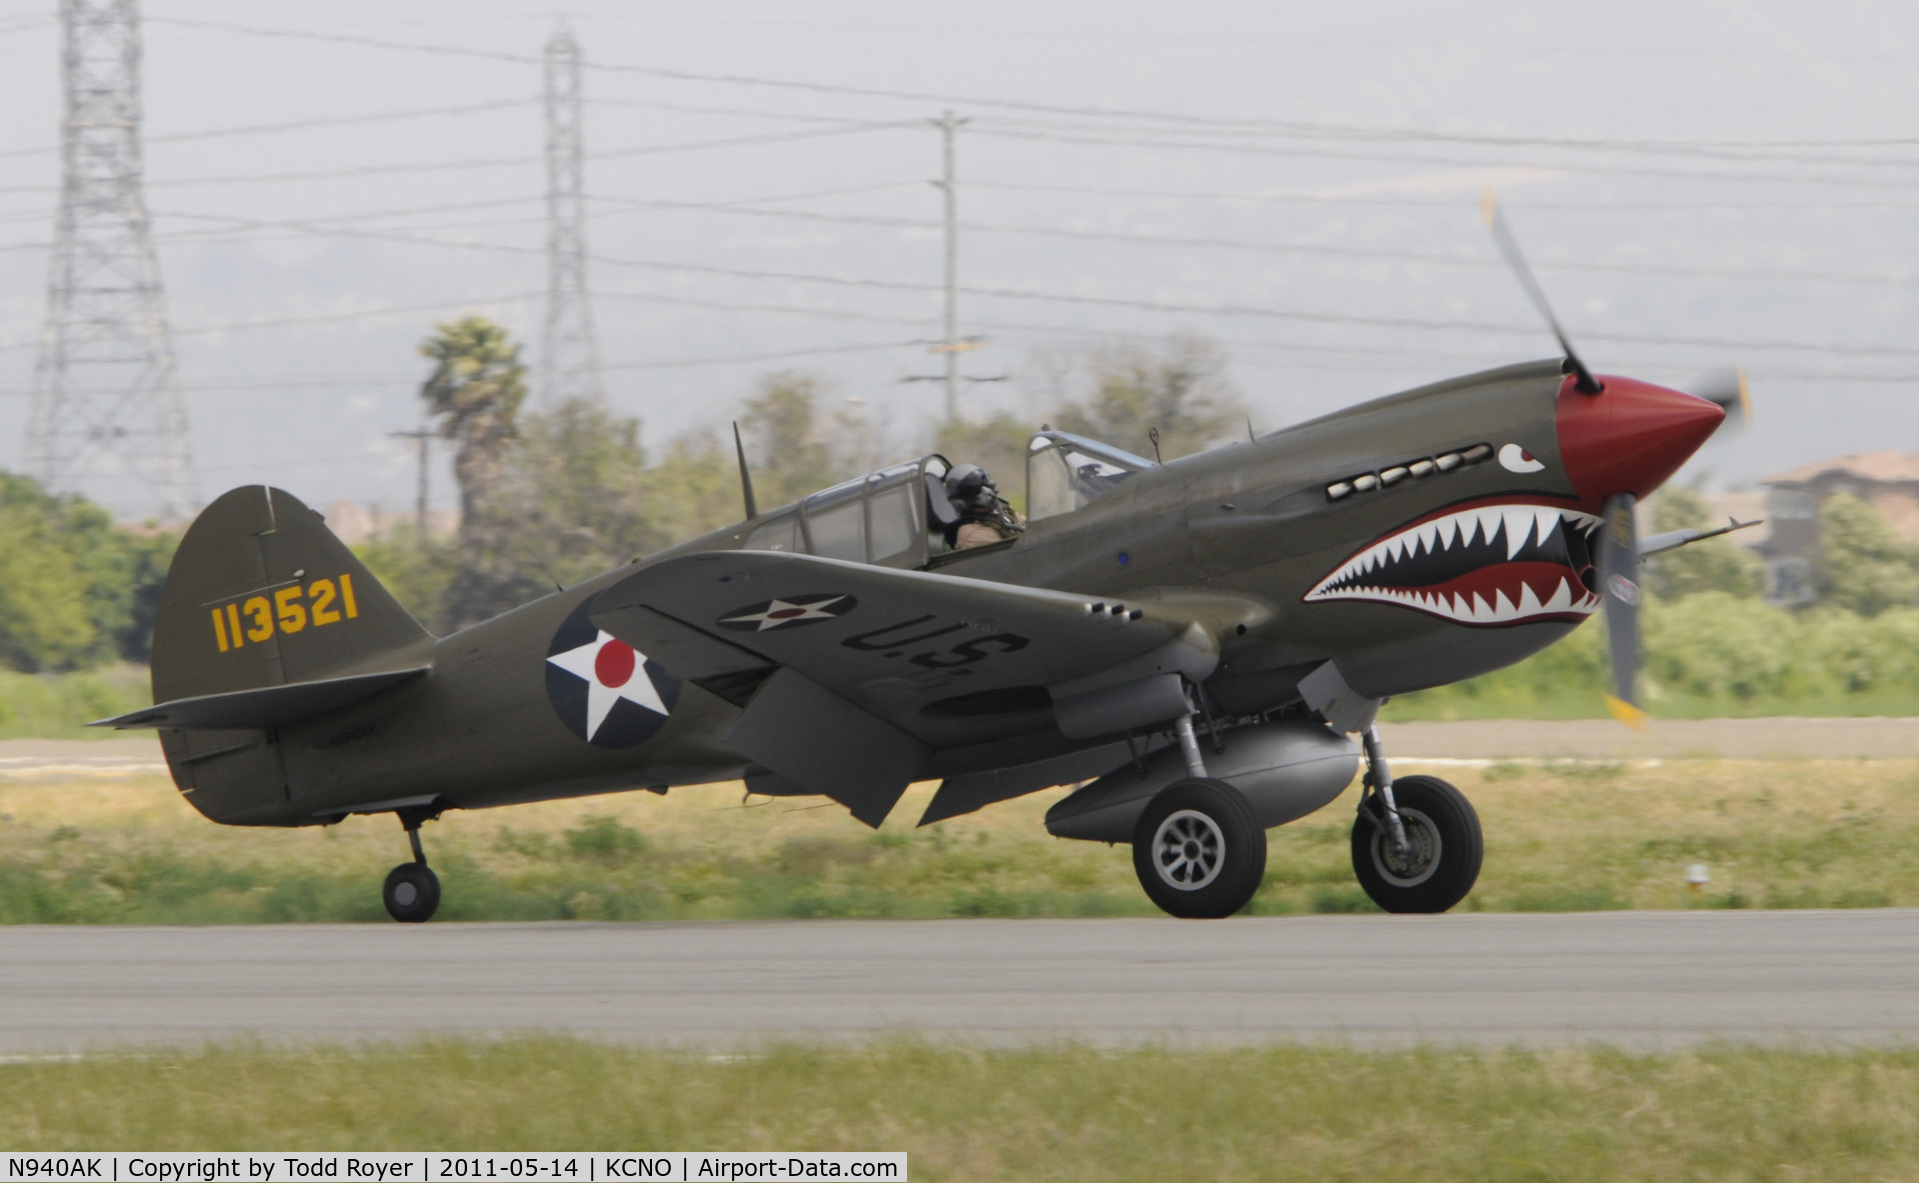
x=1618, y=563
x=1509, y=246
x=1728, y=389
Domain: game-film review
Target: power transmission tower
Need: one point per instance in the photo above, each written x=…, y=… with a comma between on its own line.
x=106, y=403
x=570, y=363
x=952, y=345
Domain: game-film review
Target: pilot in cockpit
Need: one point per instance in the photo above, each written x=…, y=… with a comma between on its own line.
x=984, y=516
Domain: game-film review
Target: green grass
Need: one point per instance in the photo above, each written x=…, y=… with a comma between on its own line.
x=59, y=706
x=1587, y=701
x=1064, y=1113
x=1559, y=837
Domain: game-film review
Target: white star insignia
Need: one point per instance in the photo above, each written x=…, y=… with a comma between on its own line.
x=780, y=612
x=612, y=670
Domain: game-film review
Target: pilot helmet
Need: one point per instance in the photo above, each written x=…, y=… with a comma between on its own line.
x=969, y=484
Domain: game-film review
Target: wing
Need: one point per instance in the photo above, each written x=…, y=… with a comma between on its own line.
x=854, y=677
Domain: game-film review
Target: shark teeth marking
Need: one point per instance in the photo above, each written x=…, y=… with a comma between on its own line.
x=1488, y=592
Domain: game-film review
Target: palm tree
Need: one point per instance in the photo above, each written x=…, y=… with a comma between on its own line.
x=475, y=390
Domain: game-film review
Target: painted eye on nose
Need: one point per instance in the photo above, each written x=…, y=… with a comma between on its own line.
x=1514, y=458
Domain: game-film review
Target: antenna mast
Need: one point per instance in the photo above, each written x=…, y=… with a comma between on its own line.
x=106, y=403
x=570, y=360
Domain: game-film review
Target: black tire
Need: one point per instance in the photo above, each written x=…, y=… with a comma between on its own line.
x=1198, y=850
x=1444, y=831
x=412, y=893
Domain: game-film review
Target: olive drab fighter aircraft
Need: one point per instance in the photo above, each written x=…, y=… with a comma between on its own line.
x=1194, y=643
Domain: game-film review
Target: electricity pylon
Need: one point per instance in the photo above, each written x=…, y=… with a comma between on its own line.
x=570, y=360
x=107, y=411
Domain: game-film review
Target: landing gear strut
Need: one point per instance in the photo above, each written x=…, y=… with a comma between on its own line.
x=1416, y=843
x=412, y=891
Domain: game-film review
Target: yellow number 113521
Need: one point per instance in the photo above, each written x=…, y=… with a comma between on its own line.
x=254, y=619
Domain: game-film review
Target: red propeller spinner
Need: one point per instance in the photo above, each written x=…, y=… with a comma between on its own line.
x=1630, y=437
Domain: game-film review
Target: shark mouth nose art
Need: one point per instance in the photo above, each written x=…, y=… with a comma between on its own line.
x=1489, y=563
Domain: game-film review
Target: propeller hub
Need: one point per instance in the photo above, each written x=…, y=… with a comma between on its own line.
x=1630, y=437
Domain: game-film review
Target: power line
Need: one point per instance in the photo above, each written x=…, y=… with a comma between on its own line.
x=1311, y=317
x=235, y=326
x=751, y=358
x=1736, y=151
x=1096, y=139
x=1175, y=119
x=303, y=124
x=1346, y=198
x=513, y=161
x=248, y=385
x=743, y=208
x=1780, y=274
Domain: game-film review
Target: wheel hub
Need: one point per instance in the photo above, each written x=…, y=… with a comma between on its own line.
x=1420, y=858
x=404, y=894
x=1189, y=850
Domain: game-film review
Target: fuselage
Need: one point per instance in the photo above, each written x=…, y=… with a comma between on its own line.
x=1419, y=539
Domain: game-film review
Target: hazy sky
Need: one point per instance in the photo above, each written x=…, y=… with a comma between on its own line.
x=1700, y=184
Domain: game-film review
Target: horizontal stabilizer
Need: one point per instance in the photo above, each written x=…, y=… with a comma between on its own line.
x=263, y=706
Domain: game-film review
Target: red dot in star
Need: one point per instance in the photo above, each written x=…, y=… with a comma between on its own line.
x=614, y=664
x=786, y=614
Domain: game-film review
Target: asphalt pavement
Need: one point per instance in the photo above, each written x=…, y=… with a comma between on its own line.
x=1635, y=979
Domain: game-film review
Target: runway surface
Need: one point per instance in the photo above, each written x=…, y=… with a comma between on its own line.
x=1637, y=979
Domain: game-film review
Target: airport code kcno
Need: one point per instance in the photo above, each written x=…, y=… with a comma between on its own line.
x=566, y=1167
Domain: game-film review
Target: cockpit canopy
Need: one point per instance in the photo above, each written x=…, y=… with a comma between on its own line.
x=879, y=518
x=899, y=516
x=1065, y=472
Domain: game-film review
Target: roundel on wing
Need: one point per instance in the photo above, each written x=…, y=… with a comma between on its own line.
x=605, y=691
x=793, y=612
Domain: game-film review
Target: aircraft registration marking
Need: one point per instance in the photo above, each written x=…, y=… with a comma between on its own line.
x=256, y=618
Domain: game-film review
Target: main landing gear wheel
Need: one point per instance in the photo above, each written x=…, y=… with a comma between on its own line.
x=412, y=893
x=1198, y=850
x=1444, y=844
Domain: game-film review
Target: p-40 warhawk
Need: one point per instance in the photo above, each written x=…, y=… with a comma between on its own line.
x=1196, y=640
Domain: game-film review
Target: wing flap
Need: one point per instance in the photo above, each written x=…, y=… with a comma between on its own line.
x=813, y=738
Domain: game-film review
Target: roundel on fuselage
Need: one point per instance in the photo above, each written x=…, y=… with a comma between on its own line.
x=605, y=691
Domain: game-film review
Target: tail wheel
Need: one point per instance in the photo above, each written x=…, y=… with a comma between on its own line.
x=1198, y=850
x=412, y=893
x=1444, y=844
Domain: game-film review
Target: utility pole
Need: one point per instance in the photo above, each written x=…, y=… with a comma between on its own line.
x=570, y=361
x=106, y=405
x=422, y=436
x=949, y=189
x=952, y=345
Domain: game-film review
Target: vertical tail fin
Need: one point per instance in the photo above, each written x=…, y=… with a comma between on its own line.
x=261, y=593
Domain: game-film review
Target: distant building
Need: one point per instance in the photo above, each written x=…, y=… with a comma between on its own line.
x=355, y=523
x=1887, y=481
